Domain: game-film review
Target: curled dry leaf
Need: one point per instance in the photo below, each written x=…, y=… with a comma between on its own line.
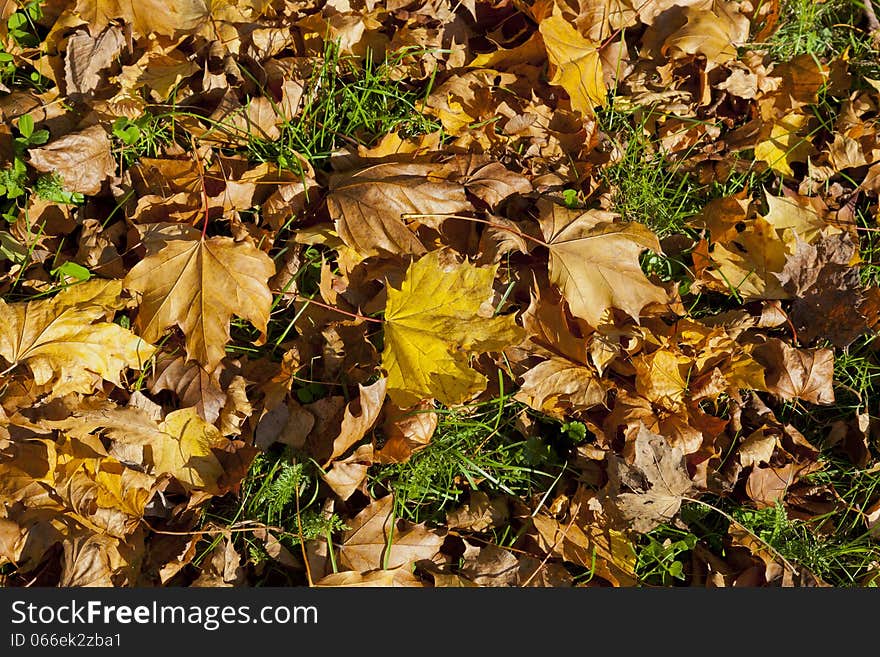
x=346, y=476
x=356, y=423
x=559, y=386
x=194, y=386
x=791, y=373
x=405, y=431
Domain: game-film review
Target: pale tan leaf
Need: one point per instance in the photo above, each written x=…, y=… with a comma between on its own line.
x=595, y=262
x=558, y=386
x=400, y=576
x=369, y=206
x=87, y=57
x=346, y=476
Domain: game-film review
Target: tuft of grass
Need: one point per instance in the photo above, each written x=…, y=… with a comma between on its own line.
x=821, y=29
x=645, y=186
x=346, y=102
x=480, y=450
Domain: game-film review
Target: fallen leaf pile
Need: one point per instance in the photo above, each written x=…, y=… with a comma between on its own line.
x=190, y=285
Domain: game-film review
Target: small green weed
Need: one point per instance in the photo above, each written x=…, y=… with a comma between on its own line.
x=50, y=187
x=14, y=179
x=662, y=555
x=23, y=28
x=144, y=136
x=278, y=492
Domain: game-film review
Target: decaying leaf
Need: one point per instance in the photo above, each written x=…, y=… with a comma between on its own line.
x=659, y=478
x=792, y=373
x=82, y=159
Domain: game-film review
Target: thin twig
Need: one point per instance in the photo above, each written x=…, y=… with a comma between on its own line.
x=338, y=310
x=515, y=231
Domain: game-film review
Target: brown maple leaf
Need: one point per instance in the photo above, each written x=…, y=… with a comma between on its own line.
x=199, y=285
x=377, y=540
x=658, y=478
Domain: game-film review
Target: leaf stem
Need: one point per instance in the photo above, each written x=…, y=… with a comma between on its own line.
x=515, y=231
x=200, y=169
x=309, y=300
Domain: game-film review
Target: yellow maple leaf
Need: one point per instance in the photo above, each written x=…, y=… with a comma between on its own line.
x=751, y=264
x=186, y=452
x=784, y=144
x=578, y=67
x=663, y=377
x=199, y=285
x=62, y=341
x=432, y=324
x=181, y=445
x=797, y=214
